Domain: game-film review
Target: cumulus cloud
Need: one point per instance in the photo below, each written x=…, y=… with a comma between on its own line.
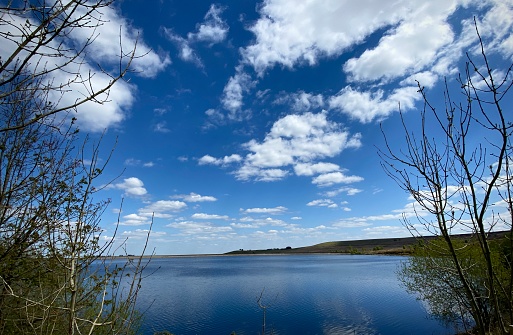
x=411, y=46
x=288, y=34
x=367, y=106
x=291, y=35
x=322, y=203
x=272, y=211
x=194, y=197
x=301, y=101
x=134, y=220
x=162, y=208
x=328, y=179
x=132, y=186
x=214, y=29
x=113, y=27
x=348, y=190
x=78, y=80
x=226, y=160
x=420, y=40
x=309, y=169
x=297, y=141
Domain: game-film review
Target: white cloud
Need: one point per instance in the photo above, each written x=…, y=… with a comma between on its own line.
x=233, y=93
x=203, y=216
x=386, y=231
x=426, y=79
x=226, y=160
x=161, y=127
x=416, y=33
x=132, y=187
x=496, y=26
x=249, y=222
x=134, y=220
x=185, y=51
x=193, y=228
x=244, y=225
x=351, y=223
x=138, y=162
x=162, y=208
x=79, y=79
x=194, y=197
x=114, y=28
x=215, y=117
x=366, y=106
x=352, y=191
x=309, y=169
x=247, y=172
x=213, y=29
x=142, y=234
x=411, y=46
x=272, y=211
x=121, y=95
x=301, y=101
x=348, y=190
x=292, y=141
x=322, y=203
x=396, y=216
x=160, y=111
x=418, y=42
x=328, y=179
x=118, y=99
x=295, y=141
x=290, y=34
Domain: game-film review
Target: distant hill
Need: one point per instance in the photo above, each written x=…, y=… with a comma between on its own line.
x=388, y=246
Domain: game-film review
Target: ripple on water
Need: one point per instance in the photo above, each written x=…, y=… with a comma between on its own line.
x=304, y=295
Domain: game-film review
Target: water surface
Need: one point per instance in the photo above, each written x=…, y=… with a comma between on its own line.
x=304, y=294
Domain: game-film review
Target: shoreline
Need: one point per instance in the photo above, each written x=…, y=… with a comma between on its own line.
x=402, y=246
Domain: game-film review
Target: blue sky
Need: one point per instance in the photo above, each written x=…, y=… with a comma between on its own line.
x=256, y=124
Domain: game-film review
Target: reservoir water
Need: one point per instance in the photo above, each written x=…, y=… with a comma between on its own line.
x=303, y=294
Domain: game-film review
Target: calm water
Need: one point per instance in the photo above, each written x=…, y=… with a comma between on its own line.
x=305, y=294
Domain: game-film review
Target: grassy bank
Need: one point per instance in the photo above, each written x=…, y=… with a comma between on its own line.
x=382, y=246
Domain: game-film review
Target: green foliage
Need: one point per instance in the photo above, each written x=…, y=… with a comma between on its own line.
x=430, y=274
x=53, y=278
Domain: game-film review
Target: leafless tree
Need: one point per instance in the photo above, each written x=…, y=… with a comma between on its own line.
x=55, y=274
x=61, y=278
x=43, y=52
x=456, y=166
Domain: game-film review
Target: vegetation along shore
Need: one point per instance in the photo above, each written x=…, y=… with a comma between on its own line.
x=381, y=246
